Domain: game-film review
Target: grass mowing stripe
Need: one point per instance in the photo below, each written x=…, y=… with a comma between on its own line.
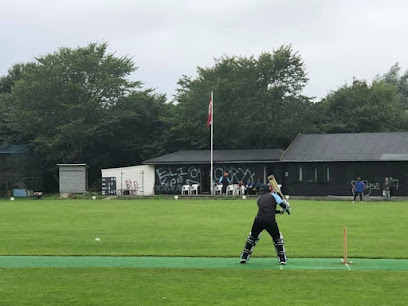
x=121, y=286
x=199, y=263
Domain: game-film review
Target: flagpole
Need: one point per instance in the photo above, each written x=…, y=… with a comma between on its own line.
x=212, y=144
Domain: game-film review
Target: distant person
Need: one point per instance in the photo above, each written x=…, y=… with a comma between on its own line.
x=250, y=186
x=387, y=188
x=392, y=188
x=359, y=190
x=258, y=184
x=225, y=181
x=241, y=187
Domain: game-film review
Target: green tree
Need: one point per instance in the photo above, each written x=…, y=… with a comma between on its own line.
x=258, y=102
x=362, y=107
x=399, y=81
x=139, y=125
x=62, y=100
x=7, y=135
x=14, y=74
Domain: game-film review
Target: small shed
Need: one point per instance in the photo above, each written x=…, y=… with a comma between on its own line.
x=73, y=178
x=134, y=180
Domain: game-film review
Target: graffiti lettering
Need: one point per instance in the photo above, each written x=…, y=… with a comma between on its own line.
x=171, y=177
x=236, y=174
x=193, y=172
x=162, y=173
x=181, y=173
x=394, y=182
x=369, y=187
x=132, y=188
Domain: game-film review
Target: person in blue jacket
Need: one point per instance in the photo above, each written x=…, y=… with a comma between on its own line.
x=225, y=181
x=359, y=190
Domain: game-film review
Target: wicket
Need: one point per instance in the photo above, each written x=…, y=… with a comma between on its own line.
x=345, y=247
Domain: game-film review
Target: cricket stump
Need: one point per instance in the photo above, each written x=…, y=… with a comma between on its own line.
x=345, y=261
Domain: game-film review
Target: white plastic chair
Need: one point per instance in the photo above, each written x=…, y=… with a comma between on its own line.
x=218, y=189
x=231, y=189
x=194, y=188
x=241, y=190
x=236, y=189
x=185, y=190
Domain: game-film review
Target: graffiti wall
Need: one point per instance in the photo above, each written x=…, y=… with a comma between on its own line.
x=132, y=186
x=170, y=179
x=370, y=187
x=134, y=180
x=173, y=176
x=236, y=174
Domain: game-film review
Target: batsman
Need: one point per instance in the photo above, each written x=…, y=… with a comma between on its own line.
x=265, y=220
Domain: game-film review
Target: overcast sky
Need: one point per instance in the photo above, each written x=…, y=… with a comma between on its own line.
x=337, y=39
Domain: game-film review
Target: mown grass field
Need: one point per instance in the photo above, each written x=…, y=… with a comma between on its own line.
x=165, y=227
x=198, y=228
x=199, y=287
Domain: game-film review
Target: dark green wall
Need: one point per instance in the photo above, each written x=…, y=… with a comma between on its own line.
x=341, y=174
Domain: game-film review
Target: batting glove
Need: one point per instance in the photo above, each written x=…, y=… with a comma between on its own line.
x=287, y=208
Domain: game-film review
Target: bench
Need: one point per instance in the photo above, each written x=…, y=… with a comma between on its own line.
x=38, y=194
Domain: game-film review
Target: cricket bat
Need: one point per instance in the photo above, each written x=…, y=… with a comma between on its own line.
x=276, y=188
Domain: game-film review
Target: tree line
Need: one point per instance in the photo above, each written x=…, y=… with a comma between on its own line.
x=80, y=106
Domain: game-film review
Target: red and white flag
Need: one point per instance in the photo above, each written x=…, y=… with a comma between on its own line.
x=210, y=114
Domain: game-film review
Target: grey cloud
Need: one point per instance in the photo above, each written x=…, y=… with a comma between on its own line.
x=337, y=39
